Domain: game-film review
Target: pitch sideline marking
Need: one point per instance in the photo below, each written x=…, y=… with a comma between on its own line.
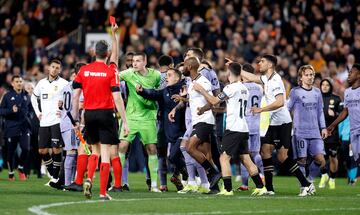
x=39, y=209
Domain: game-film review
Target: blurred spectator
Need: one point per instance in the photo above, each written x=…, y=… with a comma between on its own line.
x=20, y=33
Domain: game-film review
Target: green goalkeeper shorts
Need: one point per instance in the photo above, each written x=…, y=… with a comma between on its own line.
x=146, y=130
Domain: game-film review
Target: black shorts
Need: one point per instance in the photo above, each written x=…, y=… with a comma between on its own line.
x=278, y=135
x=101, y=126
x=235, y=143
x=50, y=137
x=202, y=131
x=331, y=148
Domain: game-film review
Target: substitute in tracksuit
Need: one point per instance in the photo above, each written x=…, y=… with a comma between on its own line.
x=15, y=108
x=173, y=131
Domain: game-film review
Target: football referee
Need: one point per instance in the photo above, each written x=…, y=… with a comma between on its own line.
x=101, y=91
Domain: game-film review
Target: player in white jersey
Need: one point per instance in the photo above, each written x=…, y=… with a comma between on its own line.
x=278, y=135
x=199, y=144
x=48, y=90
x=253, y=120
x=235, y=140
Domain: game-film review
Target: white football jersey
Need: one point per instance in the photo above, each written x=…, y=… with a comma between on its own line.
x=236, y=95
x=49, y=94
x=272, y=87
x=196, y=100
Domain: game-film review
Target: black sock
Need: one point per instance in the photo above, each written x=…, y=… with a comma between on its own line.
x=294, y=169
x=323, y=170
x=268, y=173
x=227, y=183
x=48, y=162
x=57, y=164
x=209, y=168
x=184, y=174
x=332, y=175
x=257, y=180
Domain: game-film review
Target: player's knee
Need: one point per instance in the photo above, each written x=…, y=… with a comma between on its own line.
x=224, y=157
x=151, y=149
x=43, y=151
x=333, y=153
x=301, y=161
x=320, y=160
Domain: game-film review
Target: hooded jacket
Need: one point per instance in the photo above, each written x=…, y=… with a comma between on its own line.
x=332, y=103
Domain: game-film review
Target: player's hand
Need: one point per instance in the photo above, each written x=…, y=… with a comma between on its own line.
x=77, y=127
x=255, y=110
x=176, y=98
x=198, y=87
x=171, y=115
x=15, y=109
x=39, y=116
x=183, y=91
x=324, y=133
x=139, y=88
x=114, y=29
x=228, y=61
x=126, y=129
x=330, y=129
x=200, y=111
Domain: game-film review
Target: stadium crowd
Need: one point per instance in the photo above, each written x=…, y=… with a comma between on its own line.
x=323, y=34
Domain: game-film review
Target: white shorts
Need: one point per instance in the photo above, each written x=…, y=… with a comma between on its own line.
x=71, y=142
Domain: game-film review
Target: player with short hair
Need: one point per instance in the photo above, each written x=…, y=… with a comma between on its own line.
x=278, y=135
x=306, y=104
x=332, y=108
x=100, y=86
x=48, y=91
x=253, y=121
x=352, y=108
x=235, y=140
x=15, y=107
x=141, y=113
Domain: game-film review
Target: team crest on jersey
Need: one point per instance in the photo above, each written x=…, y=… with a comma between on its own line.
x=25, y=98
x=332, y=101
x=55, y=88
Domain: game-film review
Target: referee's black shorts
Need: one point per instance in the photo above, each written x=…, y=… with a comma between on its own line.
x=101, y=126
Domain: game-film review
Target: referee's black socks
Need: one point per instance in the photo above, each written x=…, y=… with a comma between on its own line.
x=48, y=162
x=294, y=168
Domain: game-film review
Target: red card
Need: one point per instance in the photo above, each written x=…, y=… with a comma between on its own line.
x=112, y=20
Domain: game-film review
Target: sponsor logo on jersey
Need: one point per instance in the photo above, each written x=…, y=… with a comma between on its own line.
x=95, y=74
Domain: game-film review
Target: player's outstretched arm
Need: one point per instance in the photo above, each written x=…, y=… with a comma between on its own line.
x=343, y=114
x=149, y=94
x=115, y=45
x=278, y=103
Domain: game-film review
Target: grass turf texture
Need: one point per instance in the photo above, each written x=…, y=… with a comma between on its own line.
x=17, y=197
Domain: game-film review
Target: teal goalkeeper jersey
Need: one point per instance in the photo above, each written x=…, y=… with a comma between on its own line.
x=137, y=107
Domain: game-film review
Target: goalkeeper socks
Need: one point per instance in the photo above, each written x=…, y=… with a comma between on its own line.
x=294, y=169
x=81, y=166
x=153, y=169
x=48, y=162
x=116, y=165
x=92, y=165
x=244, y=175
x=227, y=183
x=268, y=173
x=70, y=160
x=104, y=177
x=57, y=158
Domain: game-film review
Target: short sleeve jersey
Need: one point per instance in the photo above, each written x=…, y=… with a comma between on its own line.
x=97, y=80
x=196, y=100
x=273, y=86
x=352, y=102
x=67, y=95
x=138, y=108
x=50, y=95
x=237, y=98
x=255, y=96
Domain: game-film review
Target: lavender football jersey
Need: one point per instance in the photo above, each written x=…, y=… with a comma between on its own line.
x=255, y=96
x=352, y=103
x=307, y=108
x=210, y=75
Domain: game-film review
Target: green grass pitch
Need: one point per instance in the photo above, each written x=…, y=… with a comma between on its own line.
x=32, y=197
